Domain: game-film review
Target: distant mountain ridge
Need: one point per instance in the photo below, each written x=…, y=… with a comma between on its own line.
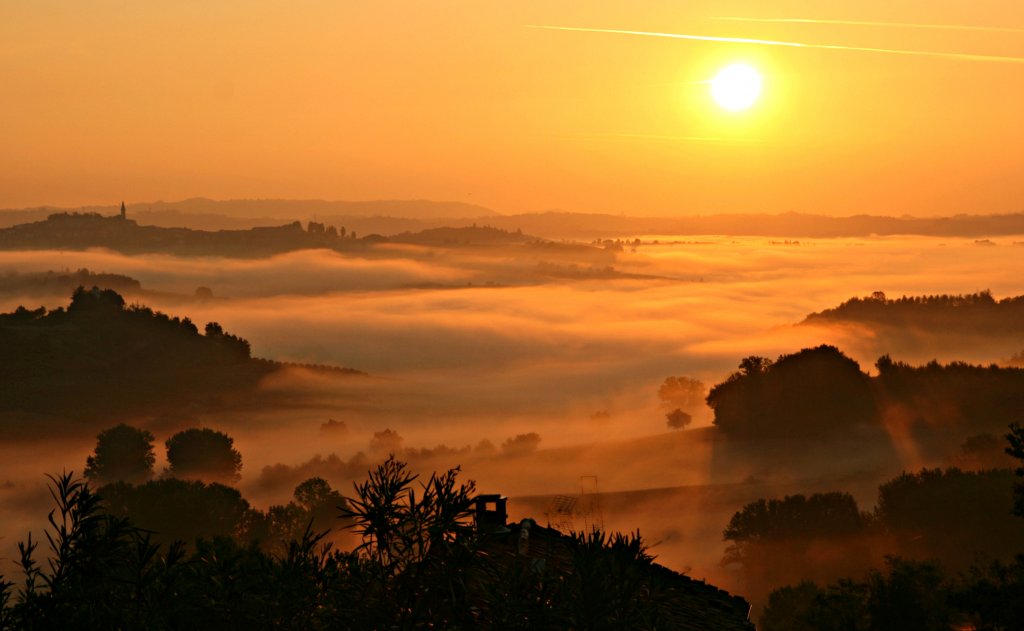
x=391, y=217
x=274, y=211
x=79, y=231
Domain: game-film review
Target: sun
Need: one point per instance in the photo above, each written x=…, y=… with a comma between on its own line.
x=736, y=87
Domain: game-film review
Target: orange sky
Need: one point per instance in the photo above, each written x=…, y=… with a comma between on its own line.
x=105, y=100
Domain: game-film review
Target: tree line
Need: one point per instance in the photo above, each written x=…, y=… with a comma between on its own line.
x=820, y=391
x=420, y=564
x=941, y=548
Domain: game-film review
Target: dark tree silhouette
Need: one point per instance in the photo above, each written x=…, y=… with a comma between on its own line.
x=907, y=595
x=682, y=392
x=386, y=442
x=814, y=392
x=123, y=453
x=677, y=419
x=950, y=513
x=183, y=510
x=422, y=564
x=1016, y=449
x=796, y=516
x=95, y=301
x=203, y=454
x=320, y=502
x=521, y=444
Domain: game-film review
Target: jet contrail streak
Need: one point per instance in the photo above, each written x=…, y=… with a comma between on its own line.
x=769, y=42
x=698, y=139
x=956, y=27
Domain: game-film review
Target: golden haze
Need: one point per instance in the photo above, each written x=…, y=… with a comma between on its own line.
x=338, y=100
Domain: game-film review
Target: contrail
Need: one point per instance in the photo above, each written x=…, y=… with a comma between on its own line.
x=696, y=139
x=769, y=42
x=955, y=27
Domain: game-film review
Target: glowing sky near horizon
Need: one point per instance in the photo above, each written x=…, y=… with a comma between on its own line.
x=341, y=100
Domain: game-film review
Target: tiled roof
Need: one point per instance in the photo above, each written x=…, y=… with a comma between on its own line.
x=683, y=603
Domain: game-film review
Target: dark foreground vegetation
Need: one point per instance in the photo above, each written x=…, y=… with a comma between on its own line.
x=943, y=549
x=421, y=564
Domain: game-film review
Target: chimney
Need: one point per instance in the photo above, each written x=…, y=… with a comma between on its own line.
x=491, y=512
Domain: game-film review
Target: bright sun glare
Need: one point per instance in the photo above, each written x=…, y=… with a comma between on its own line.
x=736, y=87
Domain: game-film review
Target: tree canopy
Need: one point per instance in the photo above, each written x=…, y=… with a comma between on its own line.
x=123, y=453
x=204, y=454
x=813, y=392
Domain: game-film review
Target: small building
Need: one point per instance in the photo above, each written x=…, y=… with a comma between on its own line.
x=675, y=600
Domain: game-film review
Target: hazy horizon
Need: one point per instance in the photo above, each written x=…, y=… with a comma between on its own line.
x=742, y=280
x=335, y=101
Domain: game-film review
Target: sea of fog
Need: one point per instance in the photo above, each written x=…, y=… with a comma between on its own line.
x=469, y=344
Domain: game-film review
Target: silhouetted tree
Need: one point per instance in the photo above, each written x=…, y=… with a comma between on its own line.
x=1016, y=449
x=951, y=514
x=677, y=419
x=203, y=454
x=775, y=542
x=796, y=516
x=992, y=596
x=386, y=442
x=182, y=510
x=421, y=564
x=420, y=543
x=123, y=453
x=95, y=301
x=236, y=345
x=682, y=392
x=841, y=606
x=320, y=502
x=790, y=608
x=521, y=444
x=911, y=595
x=816, y=391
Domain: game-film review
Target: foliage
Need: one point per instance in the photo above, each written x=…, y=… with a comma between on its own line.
x=796, y=516
x=112, y=361
x=952, y=514
x=961, y=518
x=521, y=444
x=123, y=453
x=789, y=608
x=386, y=442
x=953, y=395
x=908, y=595
x=677, y=419
x=183, y=510
x=610, y=585
x=953, y=314
x=992, y=597
x=821, y=392
x=1016, y=449
x=814, y=392
x=101, y=572
x=775, y=542
x=683, y=393
x=315, y=507
x=421, y=565
x=204, y=454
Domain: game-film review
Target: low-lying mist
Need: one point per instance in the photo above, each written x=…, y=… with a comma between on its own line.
x=464, y=345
